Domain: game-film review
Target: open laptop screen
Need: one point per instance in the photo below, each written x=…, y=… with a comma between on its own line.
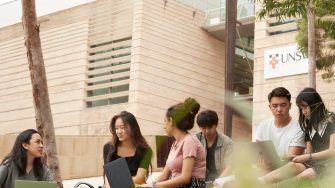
x=264, y=150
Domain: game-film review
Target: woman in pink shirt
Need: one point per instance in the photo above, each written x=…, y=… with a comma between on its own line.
x=186, y=164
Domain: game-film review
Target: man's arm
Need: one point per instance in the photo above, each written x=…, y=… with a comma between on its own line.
x=295, y=151
x=297, y=145
x=228, y=152
x=226, y=171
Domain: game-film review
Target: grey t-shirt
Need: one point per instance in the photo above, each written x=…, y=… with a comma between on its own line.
x=10, y=173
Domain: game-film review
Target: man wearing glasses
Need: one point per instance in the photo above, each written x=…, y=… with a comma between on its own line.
x=281, y=129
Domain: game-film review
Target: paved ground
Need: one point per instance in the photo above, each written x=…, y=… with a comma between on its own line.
x=95, y=181
x=98, y=181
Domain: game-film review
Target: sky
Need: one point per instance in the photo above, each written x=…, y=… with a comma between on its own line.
x=11, y=10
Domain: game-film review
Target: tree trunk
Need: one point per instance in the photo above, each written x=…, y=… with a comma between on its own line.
x=311, y=45
x=44, y=122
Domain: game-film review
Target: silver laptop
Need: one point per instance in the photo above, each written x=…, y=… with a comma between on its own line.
x=265, y=150
x=34, y=184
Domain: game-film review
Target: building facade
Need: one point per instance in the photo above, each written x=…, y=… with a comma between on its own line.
x=107, y=56
x=142, y=56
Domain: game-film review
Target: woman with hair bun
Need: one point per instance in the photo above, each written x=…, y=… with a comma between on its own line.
x=186, y=163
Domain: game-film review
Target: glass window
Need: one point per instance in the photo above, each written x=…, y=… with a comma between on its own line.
x=108, y=68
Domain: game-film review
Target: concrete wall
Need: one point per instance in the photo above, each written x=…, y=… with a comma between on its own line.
x=66, y=37
x=173, y=58
x=64, y=47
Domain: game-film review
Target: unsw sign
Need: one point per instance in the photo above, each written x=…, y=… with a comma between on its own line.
x=284, y=61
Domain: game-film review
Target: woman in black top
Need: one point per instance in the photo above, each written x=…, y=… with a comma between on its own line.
x=129, y=143
x=319, y=127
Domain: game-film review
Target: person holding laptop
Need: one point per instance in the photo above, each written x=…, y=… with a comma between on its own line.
x=129, y=143
x=218, y=146
x=318, y=125
x=281, y=129
x=186, y=163
x=24, y=162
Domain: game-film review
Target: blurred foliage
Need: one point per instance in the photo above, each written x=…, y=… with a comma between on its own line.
x=324, y=39
x=246, y=174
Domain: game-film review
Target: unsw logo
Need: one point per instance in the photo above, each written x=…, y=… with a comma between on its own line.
x=273, y=60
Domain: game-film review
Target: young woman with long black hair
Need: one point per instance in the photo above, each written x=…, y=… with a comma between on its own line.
x=129, y=143
x=24, y=162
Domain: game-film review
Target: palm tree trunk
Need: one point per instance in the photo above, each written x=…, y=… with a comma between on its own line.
x=311, y=45
x=44, y=122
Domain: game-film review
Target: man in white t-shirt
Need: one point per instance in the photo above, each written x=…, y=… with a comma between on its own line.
x=281, y=129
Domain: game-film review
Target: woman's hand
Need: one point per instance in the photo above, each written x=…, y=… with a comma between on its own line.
x=301, y=158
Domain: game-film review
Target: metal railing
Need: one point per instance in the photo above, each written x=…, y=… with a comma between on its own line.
x=203, y=5
x=245, y=9
x=216, y=9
